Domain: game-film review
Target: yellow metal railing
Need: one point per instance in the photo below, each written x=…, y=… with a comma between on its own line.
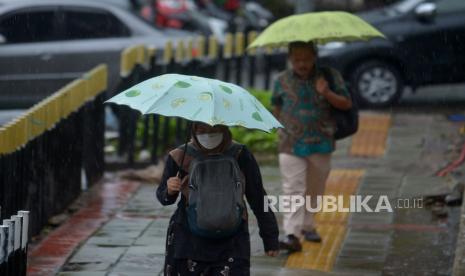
x=47, y=113
x=134, y=55
x=51, y=110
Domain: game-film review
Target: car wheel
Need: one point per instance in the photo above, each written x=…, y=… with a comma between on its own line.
x=376, y=84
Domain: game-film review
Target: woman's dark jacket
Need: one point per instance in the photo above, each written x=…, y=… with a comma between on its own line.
x=189, y=246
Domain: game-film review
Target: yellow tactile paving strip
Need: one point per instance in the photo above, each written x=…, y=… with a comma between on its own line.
x=331, y=226
x=370, y=139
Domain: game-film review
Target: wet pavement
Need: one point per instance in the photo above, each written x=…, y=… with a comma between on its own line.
x=130, y=237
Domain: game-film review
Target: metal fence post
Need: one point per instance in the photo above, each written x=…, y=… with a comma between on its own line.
x=268, y=52
x=17, y=243
x=24, y=240
x=9, y=246
x=3, y=249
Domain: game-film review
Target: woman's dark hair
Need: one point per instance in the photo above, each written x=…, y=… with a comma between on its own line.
x=301, y=44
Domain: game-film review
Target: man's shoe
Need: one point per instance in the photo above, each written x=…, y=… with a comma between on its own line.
x=290, y=243
x=312, y=236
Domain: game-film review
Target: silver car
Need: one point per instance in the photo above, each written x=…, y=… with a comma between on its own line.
x=46, y=44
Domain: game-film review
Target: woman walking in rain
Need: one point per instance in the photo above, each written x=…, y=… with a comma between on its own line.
x=208, y=233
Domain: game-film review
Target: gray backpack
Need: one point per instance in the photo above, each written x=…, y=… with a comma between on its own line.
x=216, y=193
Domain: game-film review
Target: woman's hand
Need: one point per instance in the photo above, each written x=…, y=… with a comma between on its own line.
x=272, y=253
x=174, y=185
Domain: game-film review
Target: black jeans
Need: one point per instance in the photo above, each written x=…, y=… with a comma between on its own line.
x=230, y=267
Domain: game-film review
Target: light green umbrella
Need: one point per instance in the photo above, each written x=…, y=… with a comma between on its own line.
x=320, y=27
x=198, y=99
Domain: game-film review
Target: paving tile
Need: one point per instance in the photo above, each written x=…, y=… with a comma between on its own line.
x=92, y=254
x=157, y=243
x=133, y=273
x=111, y=241
x=140, y=261
x=76, y=267
x=82, y=273
x=358, y=263
x=125, y=224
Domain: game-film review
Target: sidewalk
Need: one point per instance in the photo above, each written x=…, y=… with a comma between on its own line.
x=122, y=232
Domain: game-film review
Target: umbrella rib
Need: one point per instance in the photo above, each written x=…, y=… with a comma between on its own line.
x=162, y=96
x=213, y=101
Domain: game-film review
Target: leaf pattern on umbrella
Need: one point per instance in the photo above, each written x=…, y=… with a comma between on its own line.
x=226, y=89
x=205, y=96
x=182, y=84
x=226, y=104
x=132, y=93
x=257, y=116
x=157, y=86
x=196, y=98
x=178, y=102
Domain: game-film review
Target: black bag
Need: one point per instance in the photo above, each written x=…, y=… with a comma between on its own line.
x=346, y=120
x=216, y=189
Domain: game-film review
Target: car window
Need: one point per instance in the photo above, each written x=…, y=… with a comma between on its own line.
x=447, y=6
x=29, y=26
x=93, y=24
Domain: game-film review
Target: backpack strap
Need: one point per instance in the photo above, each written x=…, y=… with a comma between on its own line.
x=192, y=151
x=234, y=150
x=328, y=75
x=177, y=155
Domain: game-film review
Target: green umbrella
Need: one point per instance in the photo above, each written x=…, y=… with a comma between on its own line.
x=198, y=99
x=320, y=27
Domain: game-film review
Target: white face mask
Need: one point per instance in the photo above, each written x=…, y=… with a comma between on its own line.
x=210, y=140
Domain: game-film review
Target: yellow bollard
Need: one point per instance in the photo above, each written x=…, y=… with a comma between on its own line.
x=200, y=48
x=189, y=51
x=152, y=52
x=239, y=44
x=2, y=140
x=129, y=59
x=179, y=55
x=212, y=47
x=6, y=138
x=269, y=50
x=228, y=46
x=168, y=52
x=252, y=35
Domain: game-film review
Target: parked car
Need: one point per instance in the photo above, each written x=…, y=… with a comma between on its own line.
x=46, y=44
x=185, y=15
x=424, y=46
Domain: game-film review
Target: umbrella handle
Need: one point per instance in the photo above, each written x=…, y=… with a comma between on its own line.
x=189, y=127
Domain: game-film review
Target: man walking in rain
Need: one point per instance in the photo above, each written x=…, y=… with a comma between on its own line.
x=302, y=99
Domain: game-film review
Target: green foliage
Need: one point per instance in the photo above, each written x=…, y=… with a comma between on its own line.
x=163, y=138
x=256, y=140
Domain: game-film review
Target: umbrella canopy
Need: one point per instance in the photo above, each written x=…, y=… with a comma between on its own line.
x=198, y=99
x=319, y=27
